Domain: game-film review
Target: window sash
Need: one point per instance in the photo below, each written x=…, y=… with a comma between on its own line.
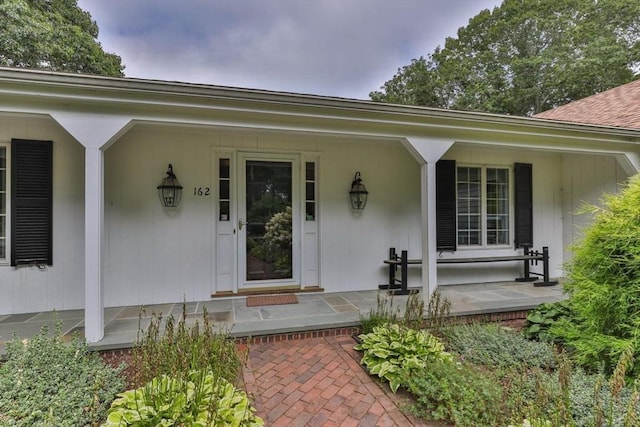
x=483, y=206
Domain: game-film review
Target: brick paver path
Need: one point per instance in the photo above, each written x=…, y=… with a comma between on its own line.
x=318, y=382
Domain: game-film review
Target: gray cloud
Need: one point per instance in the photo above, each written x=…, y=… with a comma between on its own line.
x=327, y=47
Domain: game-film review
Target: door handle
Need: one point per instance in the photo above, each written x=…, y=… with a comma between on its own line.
x=241, y=223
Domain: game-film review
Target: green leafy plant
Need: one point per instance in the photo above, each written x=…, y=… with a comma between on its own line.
x=49, y=382
x=391, y=351
x=383, y=313
x=438, y=311
x=436, y=317
x=604, y=284
x=176, y=349
x=540, y=319
x=455, y=393
x=185, y=374
x=495, y=346
x=413, y=316
x=202, y=400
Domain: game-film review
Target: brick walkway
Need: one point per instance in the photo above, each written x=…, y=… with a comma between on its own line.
x=318, y=382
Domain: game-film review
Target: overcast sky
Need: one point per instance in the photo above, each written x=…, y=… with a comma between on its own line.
x=344, y=48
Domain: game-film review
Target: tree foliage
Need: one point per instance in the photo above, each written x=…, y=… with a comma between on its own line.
x=54, y=35
x=524, y=57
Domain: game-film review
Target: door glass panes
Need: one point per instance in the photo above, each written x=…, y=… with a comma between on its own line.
x=269, y=220
x=310, y=191
x=224, y=185
x=469, y=192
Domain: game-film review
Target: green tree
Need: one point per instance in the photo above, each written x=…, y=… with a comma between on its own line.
x=524, y=57
x=53, y=35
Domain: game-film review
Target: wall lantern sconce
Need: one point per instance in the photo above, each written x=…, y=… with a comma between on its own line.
x=358, y=193
x=170, y=190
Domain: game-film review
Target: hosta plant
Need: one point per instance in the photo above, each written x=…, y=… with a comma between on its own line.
x=540, y=319
x=391, y=351
x=205, y=401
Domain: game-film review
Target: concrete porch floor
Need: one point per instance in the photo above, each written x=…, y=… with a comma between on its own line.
x=314, y=311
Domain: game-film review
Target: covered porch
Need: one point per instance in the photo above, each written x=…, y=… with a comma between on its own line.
x=313, y=312
x=115, y=248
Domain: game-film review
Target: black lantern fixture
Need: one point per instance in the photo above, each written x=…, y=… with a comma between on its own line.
x=170, y=190
x=358, y=193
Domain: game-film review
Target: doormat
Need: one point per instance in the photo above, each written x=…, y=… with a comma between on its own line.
x=260, y=300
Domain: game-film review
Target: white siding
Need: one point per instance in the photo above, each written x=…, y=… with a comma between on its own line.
x=585, y=179
x=155, y=256
x=61, y=286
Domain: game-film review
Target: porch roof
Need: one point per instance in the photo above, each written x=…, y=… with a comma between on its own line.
x=152, y=101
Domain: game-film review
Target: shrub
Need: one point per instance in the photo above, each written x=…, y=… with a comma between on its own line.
x=495, y=346
x=604, y=283
x=455, y=393
x=570, y=396
x=187, y=373
x=392, y=350
x=177, y=349
x=202, y=400
x=47, y=382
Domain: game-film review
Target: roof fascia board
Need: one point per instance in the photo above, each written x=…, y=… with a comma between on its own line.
x=155, y=96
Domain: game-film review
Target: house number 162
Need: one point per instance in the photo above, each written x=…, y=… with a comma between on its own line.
x=201, y=191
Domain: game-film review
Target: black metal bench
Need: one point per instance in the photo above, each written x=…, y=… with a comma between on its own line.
x=398, y=286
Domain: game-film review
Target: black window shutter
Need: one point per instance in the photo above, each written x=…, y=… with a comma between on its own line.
x=31, y=202
x=523, y=205
x=446, y=228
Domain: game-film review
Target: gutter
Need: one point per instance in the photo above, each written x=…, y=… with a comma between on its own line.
x=127, y=88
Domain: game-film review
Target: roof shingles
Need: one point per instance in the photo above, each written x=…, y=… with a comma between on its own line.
x=618, y=107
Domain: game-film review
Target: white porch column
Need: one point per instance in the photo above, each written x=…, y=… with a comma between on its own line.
x=428, y=210
x=95, y=132
x=427, y=152
x=93, y=230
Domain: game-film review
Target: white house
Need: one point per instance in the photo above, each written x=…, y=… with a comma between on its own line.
x=265, y=200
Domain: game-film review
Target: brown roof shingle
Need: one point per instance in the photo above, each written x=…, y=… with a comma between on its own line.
x=618, y=107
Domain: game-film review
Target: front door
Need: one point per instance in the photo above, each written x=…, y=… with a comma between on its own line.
x=267, y=217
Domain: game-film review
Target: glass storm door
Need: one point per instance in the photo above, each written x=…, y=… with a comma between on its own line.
x=266, y=221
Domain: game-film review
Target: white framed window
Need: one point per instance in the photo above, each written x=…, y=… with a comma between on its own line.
x=4, y=203
x=483, y=206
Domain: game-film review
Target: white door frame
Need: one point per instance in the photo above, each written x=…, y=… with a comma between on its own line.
x=294, y=159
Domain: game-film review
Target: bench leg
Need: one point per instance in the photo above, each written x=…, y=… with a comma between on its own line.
x=404, y=267
x=526, y=277
x=392, y=271
x=545, y=270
